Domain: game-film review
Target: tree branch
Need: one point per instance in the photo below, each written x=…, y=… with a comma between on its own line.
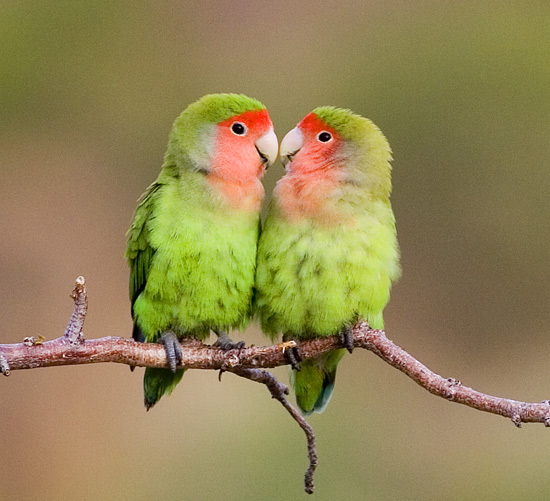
x=73, y=349
x=449, y=388
x=279, y=392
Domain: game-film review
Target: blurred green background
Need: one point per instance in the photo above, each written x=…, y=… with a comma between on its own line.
x=88, y=93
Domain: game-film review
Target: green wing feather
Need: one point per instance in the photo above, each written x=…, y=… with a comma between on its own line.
x=139, y=251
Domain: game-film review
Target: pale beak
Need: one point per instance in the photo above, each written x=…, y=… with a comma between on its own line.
x=268, y=147
x=291, y=144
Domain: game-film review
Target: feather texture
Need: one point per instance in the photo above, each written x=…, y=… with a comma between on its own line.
x=192, y=244
x=328, y=252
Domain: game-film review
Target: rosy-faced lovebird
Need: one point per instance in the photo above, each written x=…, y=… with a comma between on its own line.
x=192, y=244
x=328, y=252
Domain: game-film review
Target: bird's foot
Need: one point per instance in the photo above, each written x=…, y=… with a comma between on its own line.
x=346, y=338
x=226, y=343
x=294, y=356
x=173, y=349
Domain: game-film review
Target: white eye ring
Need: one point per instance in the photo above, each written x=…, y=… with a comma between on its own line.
x=324, y=137
x=239, y=129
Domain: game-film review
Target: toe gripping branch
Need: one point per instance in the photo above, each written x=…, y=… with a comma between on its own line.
x=346, y=338
x=293, y=356
x=173, y=349
x=226, y=343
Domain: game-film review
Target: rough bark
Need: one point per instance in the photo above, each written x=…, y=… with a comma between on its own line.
x=73, y=349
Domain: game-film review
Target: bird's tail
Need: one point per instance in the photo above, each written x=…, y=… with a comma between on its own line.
x=314, y=383
x=158, y=382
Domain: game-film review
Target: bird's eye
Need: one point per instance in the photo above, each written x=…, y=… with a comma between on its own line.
x=324, y=137
x=238, y=128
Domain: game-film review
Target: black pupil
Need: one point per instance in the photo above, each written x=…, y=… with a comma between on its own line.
x=324, y=137
x=238, y=128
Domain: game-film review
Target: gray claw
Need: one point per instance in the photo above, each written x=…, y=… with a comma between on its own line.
x=346, y=338
x=294, y=357
x=225, y=343
x=173, y=349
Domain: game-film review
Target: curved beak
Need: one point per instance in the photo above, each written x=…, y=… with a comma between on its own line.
x=268, y=147
x=291, y=144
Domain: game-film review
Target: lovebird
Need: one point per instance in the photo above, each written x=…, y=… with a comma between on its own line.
x=328, y=252
x=193, y=241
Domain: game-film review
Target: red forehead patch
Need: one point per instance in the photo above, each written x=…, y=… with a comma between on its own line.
x=257, y=118
x=313, y=124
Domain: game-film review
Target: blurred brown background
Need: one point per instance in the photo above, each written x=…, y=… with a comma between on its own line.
x=88, y=93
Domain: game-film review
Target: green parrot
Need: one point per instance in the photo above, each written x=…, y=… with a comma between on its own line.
x=328, y=252
x=192, y=245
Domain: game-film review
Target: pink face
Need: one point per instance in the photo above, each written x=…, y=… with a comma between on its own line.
x=245, y=145
x=313, y=160
x=310, y=146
